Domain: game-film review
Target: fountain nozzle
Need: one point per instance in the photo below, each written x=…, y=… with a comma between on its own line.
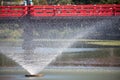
x=35, y=75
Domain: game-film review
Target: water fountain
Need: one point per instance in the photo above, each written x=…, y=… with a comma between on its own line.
x=50, y=33
x=33, y=58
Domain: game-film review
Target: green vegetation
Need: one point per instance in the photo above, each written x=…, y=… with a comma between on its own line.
x=10, y=2
x=5, y=62
x=7, y=33
x=101, y=55
x=63, y=2
x=105, y=42
x=55, y=2
x=96, y=1
x=40, y=2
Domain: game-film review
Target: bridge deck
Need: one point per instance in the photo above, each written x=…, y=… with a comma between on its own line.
x=60, y=10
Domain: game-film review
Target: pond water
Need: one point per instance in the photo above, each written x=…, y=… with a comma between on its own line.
x=73, y=64
x=73, y=70
x=39, y=49
x=62, y=73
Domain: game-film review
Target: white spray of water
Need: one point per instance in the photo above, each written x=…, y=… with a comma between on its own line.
x=34, y=61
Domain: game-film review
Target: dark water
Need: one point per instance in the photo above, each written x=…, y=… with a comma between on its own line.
x=81, y=73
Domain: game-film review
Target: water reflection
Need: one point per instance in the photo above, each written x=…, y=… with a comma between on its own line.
x=70, y=56
x=65, y=74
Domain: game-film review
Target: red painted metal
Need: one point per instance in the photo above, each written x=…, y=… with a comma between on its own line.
x=104, y=10
x=77, y=10
x=85, y=10
x=43, y=10
x=13, y=11
x=61, y=10
x=65, y=10
x=117, y=10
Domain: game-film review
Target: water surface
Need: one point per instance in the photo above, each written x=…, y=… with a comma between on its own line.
x=62, y=73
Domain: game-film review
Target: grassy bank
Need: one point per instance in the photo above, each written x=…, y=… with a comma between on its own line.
x=86, y=41
x=105, y=42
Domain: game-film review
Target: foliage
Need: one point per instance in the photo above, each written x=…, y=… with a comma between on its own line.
x=96, y=1
x=110, y=1
x=40, y=2
x=7, y=33
x=3, y=2
x=81, y=1
x=63, y=2
x=4, y=61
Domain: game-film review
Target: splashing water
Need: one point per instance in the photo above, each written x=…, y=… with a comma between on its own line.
x=34, y=61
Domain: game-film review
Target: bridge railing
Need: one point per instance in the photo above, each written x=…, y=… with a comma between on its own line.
x=13, y=11
x=117, y=10
x=104, y=10
x=61, y=10
x=76, y=10
x=42, y=10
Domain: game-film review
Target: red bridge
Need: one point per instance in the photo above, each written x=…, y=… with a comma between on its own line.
x=60, y=10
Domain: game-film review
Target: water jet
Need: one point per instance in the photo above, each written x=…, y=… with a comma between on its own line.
x=37, y=51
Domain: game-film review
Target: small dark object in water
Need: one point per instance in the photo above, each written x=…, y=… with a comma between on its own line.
x=36, y=75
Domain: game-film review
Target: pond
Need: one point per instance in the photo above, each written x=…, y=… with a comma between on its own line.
x=61, y=73
x=73, y=64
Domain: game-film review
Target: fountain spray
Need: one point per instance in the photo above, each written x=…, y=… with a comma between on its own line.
x=28, y=39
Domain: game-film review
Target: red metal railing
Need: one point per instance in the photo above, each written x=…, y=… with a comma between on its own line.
x=61, y=10
x=42, y=10
x=13, y=11
x=76, y=10
x=116, y=10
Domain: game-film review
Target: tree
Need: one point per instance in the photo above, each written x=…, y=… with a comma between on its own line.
x=40, y=2
x=11, y=2
x=96, y=1
x=117, y=1
x=110, y=1
x=62, y=2
x=81, y=1
x=1, y=2
x=65, y=2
